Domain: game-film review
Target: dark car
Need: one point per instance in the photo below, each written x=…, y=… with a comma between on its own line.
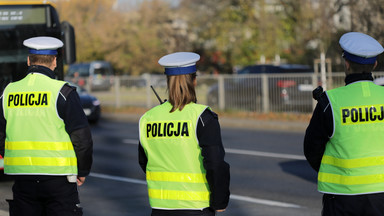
x=287, y=87
x=90, y=104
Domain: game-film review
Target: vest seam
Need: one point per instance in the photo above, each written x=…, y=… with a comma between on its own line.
x=57, y=99
x=2, y=104
x=197, y=123
x=355, y=194
x=200, y=209
x=140, y=130
x=202, y=122
x=45, y=174
x=63, y=96
x=326, y=107
x=333, y=115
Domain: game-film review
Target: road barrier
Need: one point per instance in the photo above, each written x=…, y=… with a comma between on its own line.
x=252, y=92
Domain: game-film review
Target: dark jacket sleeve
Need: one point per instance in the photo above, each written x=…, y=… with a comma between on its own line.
x=143, y=160
x=76, y=125
x=3, y=123
x=212, y=150
x=318, y=132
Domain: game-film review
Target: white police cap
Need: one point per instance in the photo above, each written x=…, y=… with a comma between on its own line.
x=43, y=45
x=360, y=48
x=179, y=63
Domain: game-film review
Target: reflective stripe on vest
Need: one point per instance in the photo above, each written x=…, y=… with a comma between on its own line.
x=175, y=174
x=176, y=177
x=353, y=161
x=36, y=140
x=178, y=195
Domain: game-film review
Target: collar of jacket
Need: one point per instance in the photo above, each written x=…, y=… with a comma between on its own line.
x=41, y=69
x=358, y=77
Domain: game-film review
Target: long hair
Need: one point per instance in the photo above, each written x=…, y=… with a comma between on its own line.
x=181, y=90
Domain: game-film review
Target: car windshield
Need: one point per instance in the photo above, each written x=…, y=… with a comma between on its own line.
x=100, y=69
x=81, y=70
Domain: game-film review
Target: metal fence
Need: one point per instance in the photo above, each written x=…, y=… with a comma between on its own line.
x=255, y=93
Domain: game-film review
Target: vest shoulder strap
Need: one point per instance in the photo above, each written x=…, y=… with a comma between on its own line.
x=66, y=89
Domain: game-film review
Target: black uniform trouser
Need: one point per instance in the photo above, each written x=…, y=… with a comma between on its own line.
x=353, y=205
x=45, y=196
x=204, y=212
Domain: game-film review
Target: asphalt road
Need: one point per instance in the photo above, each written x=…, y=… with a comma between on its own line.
x=269, y=175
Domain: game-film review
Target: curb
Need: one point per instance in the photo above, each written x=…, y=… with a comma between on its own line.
x=4, y=213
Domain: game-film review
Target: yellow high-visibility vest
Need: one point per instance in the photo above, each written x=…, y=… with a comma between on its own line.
x=36, y=141
x=353, y=161
x=175, y=173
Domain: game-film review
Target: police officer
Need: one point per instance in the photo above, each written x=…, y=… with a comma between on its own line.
x=47, y=139
x=344, y=141
x=180, y=148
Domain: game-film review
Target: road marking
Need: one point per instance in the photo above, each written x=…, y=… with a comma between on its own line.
x=131, y=141
x=233, y=196
x=118, y=178
x=242, y=152
x=264, y=154
x=264, y=201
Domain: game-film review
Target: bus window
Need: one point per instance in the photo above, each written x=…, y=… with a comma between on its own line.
x=18, y=22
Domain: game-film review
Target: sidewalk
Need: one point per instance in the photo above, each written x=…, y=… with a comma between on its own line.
x=230, y=122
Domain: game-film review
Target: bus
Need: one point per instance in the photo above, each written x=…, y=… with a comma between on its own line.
x=20, y=20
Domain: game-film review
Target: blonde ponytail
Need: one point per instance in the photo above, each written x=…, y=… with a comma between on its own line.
x=181, y=90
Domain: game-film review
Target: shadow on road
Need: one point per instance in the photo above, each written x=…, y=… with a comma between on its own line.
x=299, y=168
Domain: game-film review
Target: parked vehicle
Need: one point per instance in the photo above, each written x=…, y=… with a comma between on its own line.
x=1, y=163
x=379, y=81
x=268, y=69
x=90, y=104
x=98, y=74
x=287, y=88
